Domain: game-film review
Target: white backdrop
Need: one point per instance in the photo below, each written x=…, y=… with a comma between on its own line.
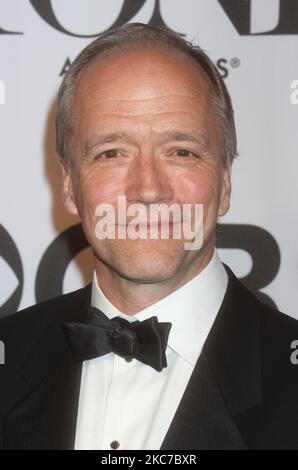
x=254, y=44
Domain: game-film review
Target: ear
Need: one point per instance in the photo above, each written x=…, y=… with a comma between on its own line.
x=224, y=203
x=67, y=191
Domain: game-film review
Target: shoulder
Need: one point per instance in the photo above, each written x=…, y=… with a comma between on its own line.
x=277, y=336
x=50, y=309
x=279, y=351
x=21, y=329
x=267, y=358
x=274, y=323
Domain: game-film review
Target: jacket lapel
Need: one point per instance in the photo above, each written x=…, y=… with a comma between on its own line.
x=226, y=379
x=202, y=420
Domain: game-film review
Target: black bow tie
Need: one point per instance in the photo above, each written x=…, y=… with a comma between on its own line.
x=98, y=335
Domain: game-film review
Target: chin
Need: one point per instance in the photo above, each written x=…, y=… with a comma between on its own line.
x=147, y=274
x=137, y=261
x=153, y=266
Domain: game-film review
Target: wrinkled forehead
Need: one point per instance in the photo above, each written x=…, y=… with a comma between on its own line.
x=144, y=89
x=135, y=73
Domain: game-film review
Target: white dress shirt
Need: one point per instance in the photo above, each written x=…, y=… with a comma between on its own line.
x=130, y=404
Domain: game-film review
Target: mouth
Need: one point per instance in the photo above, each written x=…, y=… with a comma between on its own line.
x=149, y=224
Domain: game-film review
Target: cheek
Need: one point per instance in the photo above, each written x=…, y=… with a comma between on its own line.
x=201, y=187
x=97, y=187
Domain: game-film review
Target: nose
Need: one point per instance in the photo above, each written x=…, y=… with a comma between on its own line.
x=148, y=181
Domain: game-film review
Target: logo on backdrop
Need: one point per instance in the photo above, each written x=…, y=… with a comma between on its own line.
x=256, y=241
x=11, y=258
x=238, y=12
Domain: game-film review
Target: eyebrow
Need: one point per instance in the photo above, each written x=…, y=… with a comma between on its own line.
x=104, y=139
x=177, y=136
x=200, y=139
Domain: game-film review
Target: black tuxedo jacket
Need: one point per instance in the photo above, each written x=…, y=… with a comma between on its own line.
x=242, y=394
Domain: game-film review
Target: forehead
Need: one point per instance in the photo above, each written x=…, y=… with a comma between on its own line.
x=147, y=84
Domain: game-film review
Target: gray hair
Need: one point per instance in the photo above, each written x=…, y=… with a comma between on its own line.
x=136, y=35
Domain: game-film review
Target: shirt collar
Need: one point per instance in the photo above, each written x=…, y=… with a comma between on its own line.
x=191, y=309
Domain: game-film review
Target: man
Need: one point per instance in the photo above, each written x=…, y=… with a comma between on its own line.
x=166, y=349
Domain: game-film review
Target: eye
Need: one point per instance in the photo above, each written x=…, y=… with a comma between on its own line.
x=184, y=153
x=113, y=153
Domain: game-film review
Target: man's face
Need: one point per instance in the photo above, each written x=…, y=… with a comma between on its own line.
x=145, y=129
